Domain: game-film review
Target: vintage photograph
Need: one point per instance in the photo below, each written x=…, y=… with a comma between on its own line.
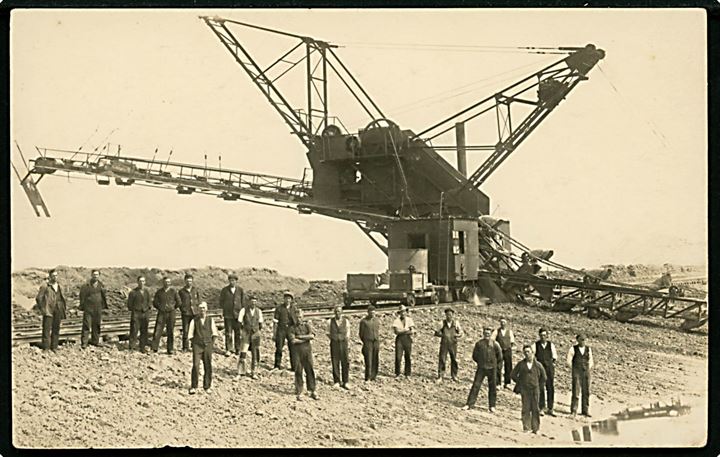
x=359, y=228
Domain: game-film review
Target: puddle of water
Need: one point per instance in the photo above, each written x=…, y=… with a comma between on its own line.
x=689, y=430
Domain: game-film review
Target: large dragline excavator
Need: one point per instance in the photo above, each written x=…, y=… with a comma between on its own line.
x=431, y=219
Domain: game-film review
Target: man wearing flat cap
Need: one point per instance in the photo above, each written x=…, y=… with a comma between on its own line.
x=403, y=327
x=231, y=302
x=580, y=360
x=488, y=356
x=283, y=319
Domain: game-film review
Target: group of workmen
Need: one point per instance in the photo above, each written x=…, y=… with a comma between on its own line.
x=243, y=322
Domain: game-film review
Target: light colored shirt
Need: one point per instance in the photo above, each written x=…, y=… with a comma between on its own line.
x=252, y=311
x=552, y=349
x=401, y=325
x=232, y=290
x=54, y=286
x=191, y=329
x=347, y=326
x=529, y=364
x=502, y=333
x=582, y=350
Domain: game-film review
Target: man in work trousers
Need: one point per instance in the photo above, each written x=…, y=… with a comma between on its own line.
x=283, y=319
x=370, y=337
x=139, y=304
x=189, y=300
x=504, y=336
x=404, y=327
x=165, y=301
x=301, y=333
x=251, y=322
x=580, y=360
x=488, y=356
x=51, y=302
x=92, y=302
x=339, y=334
x=231, y=301
x=449, y=332
x=203, y=334
x=546, y=354
x=529, y=376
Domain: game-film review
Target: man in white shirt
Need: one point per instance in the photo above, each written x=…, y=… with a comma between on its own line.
x=403, y=327
x=203, y=334
x=251, y=322
x=580, y=359
x=546, y=354
x=339, y=333
x=506, y=339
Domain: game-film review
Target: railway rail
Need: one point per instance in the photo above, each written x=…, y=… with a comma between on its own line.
x=70, y=330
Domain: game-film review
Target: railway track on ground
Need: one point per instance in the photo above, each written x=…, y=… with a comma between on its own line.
x=119, y=325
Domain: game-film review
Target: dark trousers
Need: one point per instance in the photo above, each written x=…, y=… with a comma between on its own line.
x=51, y=331
x=91, y=320
x=371, y=354
x=185, y=322
x=281, y=337
x=232, y=334
x=339, y=360
x=403, y=347
x=549, y=387
x=165, y=320
x=507, y=367
x=204, y=354
x=445, y=349
x=304, y=362
x=254, y=354
x=480, y=374
x=530, y=409
x=580, y=383
x=138, y=323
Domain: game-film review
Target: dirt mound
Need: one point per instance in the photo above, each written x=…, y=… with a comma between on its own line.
x=265, y=284
x=329, y=292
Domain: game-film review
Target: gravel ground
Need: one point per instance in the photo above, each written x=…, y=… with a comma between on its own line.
x=109, y=397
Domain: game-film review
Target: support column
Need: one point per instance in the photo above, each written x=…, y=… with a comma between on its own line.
x=460, y=142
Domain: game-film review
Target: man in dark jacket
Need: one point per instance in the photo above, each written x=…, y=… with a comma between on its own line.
x=189, y=300
x=488, y=356
x=529, y=375
x=139, y=305
x=283, y=319
x=370, y=337
x=165, y=301
x=92, y=302
x=338, y=331
x=51, y=302
x=231, y=301
x=449, y=332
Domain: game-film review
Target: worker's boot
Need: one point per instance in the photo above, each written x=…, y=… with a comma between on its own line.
x=242, y=369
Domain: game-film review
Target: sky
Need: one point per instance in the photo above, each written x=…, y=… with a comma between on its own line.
x=616, y=174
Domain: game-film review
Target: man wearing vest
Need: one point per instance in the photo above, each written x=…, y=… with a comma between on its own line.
x=504, y=336
x=529, y=375
x=370, y=337
x=580, y=359
x=165, y=301
x=203, y=334
x=488, y=356
x=251, y=321
x=339, y=333
x=282, y=320
x=51, y=302
x=92, y=302
x=404, y=327
x=546, y=354
x=449, y=333
x=139, y=304
x=189, y=300
x=301, y=333
x=231, y=302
